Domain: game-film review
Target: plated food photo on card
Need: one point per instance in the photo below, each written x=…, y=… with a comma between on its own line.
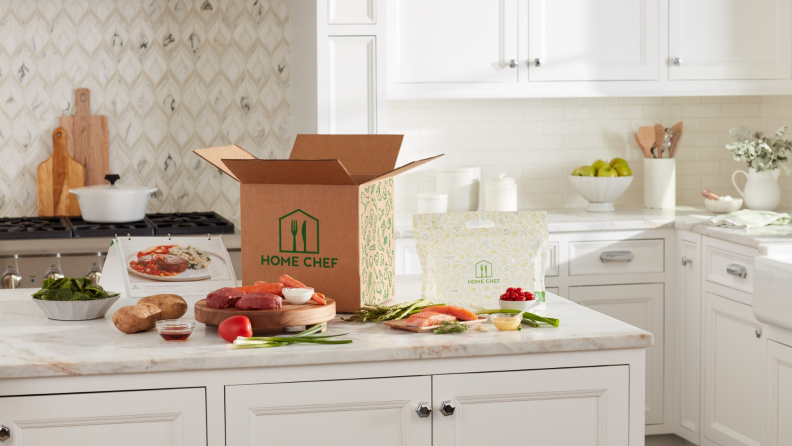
x=171, y=263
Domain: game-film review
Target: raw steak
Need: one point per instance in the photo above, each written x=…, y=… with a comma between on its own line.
x=167, y=262
x=223, y=298
x=260, y=301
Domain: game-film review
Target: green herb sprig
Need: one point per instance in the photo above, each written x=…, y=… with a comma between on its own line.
x=447, y=327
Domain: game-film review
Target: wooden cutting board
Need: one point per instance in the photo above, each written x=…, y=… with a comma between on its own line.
x=401, y=324
x=54, y=178
x=88, y=139
x=288, y=316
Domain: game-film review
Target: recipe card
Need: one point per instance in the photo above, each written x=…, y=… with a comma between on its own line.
x=187, y=266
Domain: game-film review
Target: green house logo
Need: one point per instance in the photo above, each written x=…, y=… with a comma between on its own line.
x=483, y=270
x=299, y=233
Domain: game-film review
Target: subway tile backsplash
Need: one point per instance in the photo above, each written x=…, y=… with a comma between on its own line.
x=539, y=141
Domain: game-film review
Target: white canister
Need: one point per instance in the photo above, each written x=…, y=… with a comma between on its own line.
x=659, y=183
x=432, y=203
x=500, y=194
x=462, y=186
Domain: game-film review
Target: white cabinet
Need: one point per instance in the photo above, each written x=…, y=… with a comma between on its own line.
x=640, y=306
x=779, y=394
x=593, y=40
x=734, y=368
x=366, y=411
x=452, y=41
x=687, y=371
x=583, y=406
x=730, y=39
x=152, y=418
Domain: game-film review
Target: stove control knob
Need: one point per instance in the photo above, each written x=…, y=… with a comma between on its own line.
x=11, y=280
x=53, y=273
x=94, y=274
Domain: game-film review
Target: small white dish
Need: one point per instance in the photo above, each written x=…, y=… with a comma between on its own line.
x=298, y=296
x=723, y=206
x=517, y=304
x=78, y=310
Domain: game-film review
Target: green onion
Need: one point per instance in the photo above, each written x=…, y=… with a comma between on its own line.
x=530, y=316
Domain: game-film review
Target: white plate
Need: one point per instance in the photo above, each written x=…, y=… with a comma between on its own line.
x=190, y=275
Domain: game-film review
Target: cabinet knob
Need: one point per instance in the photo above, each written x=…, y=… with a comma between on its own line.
x=11, y=280
x=538, y=62
x=677, y=62
x=758, y=332
x=423, y=410
x=685, y=261
x=737, y=270
x=447, y=408
x=513, y=63
x=5, y=433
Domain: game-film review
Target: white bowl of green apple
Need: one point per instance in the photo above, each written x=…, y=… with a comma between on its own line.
x=602, y=183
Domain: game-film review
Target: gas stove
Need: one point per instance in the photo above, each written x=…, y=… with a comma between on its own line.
x=35, y=248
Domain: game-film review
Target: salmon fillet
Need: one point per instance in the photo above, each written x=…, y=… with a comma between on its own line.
x=428, y=319
x=463, y=314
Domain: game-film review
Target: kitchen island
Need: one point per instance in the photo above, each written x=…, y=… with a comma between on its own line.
x=84, y=382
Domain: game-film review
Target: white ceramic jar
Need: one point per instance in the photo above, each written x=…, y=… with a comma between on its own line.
x=462, y=186
x=430, y=203
x=500, y=194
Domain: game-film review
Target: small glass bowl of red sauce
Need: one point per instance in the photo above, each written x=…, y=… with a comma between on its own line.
x=175, y=330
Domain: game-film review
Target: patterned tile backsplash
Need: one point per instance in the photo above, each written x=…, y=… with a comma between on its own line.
x=539, y=141
x=171, y=76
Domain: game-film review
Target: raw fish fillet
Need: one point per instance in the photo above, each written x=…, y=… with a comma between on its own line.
x=428, y=319
x=463, y=314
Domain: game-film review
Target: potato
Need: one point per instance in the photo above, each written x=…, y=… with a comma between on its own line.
x=172, y=306
x=135, y=318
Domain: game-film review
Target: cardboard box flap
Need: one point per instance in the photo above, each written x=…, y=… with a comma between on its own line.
x=360, y=154
x=216, y=155
x=403, y=169
x=256, y=171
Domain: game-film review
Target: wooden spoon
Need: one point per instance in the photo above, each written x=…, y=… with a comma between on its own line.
x=647, y=153
x=710, y=195
x=646, y=136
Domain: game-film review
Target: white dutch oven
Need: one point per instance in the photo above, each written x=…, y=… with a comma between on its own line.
x=113, y=203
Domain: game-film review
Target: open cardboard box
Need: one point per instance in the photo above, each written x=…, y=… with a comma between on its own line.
x=324, y=216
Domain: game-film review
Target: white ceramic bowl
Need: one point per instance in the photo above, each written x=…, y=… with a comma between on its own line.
x=517, y=305
x=600, y=192
x=723, y=206
x=80, y=310
x=298, y=296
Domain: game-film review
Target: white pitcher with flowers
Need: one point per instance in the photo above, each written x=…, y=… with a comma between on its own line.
x=766, y=156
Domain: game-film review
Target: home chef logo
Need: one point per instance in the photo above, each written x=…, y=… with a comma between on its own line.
x=298, y=233
x=484, y=272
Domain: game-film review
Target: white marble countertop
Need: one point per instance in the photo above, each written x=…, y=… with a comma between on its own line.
x=627, y=219
x=32, y=345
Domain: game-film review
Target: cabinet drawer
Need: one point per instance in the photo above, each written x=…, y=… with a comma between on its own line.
x=616, y=257
x=729, y=269
x=551, y=264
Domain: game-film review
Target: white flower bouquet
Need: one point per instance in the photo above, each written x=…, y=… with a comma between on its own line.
x=759, y=151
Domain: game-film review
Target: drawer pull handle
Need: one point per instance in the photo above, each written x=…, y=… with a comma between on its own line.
x=423, y=410
x=616, y=256
x=737, y=270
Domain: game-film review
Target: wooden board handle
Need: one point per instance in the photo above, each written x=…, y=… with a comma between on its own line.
x=83, y=101
x=59, y=142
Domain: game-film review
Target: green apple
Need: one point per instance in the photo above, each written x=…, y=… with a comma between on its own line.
x=616, y=161
x=623, y=169
x=586, y=171
x=607, y=171
x=599, y=164
x=575, y=172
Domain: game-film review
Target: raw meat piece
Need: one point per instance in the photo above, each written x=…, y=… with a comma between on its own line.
x=223, y=298
x=428, y=319
x=260, y=301
x=463, y=314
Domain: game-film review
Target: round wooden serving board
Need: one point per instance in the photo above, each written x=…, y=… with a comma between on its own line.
x=288, y=316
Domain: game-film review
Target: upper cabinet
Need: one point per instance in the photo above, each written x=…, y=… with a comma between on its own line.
x=452, y=41
x=730, y=39
x=593, y=40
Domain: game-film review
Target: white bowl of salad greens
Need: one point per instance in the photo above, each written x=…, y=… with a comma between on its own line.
x=74, y=299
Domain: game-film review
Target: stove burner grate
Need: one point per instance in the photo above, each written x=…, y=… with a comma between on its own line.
x=33, y=227
x=82, y=228
x=190, y=223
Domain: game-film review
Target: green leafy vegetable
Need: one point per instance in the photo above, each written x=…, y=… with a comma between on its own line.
x=71, y=289
x=379, y=313
x=447, y=327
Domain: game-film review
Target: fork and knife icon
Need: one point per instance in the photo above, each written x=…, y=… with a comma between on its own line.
x=294, y=226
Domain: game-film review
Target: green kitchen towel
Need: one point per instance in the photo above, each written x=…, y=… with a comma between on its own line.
x=747, y=219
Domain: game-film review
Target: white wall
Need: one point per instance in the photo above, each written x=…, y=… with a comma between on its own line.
x=540, y=141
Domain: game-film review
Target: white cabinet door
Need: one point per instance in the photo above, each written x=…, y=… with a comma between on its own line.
x=581, y=407
x=593, y=40
x=452, y=40
x=734, y=365
x=640, y=306
x=687, y=379
x=151, y=418
x=353, y=84
x=730, y=39
x=779, y=394
x=364, y=412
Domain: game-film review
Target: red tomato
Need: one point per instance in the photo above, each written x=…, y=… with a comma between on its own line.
x=235, y=326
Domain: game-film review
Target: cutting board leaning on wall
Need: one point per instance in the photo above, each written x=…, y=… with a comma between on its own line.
x=54, y=178
x=88, y=140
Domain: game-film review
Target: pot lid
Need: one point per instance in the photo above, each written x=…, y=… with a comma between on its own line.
x=112, y=187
